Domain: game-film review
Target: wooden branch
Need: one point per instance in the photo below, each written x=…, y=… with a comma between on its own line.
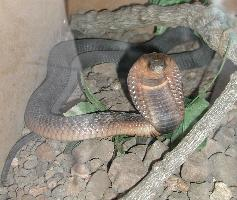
x=162, y=170
x=209, y=22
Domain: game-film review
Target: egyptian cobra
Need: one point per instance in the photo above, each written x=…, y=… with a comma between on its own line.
x=154, y=83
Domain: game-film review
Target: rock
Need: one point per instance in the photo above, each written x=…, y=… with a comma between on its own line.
x=129, y=143
x=74, y=186
x=15, y=162
x=4, y=196
x=232, y=151
x=37, y=190
x=199, y=191
x=126, y=171
x=90, y=149
x=57, y=146
x=98, y=184
x=178, y=196
x=212, y=147
x=175, y=183
x=12, y=194
x=59, y=192
x=41, y=168
x=154, y=152
x=31, y=162
x=82, y=153
x=196, y=168
x=45, y=152
x=221, y=192
x=19, y=193
x=3, y=190
x=234, y=192
x=104, y=151
x=65, y=161
x=106, y=69
x=225, y=136
x=41, y=197
x=109, y=194
x=81, y=170
x=224, y=169
x=28, y=197
x=139, y=150
x=94, y=165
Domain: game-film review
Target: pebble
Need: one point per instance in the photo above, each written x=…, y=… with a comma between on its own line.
x=94, y=165
x=109, y=194
x=74, y=186
x=90, y=149
x=154, y=152
x=224, y=168
x=212, y=147
x=98, y=184
x=59, y=192
x=37, y=190
x=196, y=168
x=81, y=170
x=225, y=136
x=45, y=152
x=126, y=171
x=178, y=196
x=199, y=191
x=28, y=197
x=31, y=162
x=221, y=192
x=139, y=150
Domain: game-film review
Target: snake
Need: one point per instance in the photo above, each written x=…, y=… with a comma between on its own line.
x=154, y=83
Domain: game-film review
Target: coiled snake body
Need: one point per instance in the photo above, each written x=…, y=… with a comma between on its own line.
x=154, y=83
x=63, y=67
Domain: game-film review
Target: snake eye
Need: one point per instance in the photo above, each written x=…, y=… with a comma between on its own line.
x=157, y=65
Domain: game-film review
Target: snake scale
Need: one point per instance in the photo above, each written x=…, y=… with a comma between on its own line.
x=154, y=82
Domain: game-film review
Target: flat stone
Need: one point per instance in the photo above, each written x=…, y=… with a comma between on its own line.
x=224, y=168
x=89, y=149
x=154, y=152
x=94, y=165
x=126, y=171
x=45, y=152
x=37, y=190
x=74, y=186
x=196, y=168
x=31, y=162
x=221, y=192
x=178, y=196
x=28, y=197
x=98, y=184
x=59, y=192
x=106, y=69
x=200, y=191
x=232, y=151
x=109, y=194
x=225, y=136
x=212, y=147
x=81, y=170
x=139, y=150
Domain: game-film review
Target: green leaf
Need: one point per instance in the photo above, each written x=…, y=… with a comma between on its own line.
x=118, y=142
x=160, y=30
x=202, y=145
x=168, y=2
x=192, y=113
x=81, y=108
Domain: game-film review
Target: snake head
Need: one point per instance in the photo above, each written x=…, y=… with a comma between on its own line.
x=155, y=87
